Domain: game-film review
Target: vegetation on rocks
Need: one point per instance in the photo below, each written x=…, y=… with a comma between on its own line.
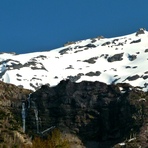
x=54, y=140
x=11, y=135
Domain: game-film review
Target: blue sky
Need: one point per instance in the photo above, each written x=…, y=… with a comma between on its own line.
x=41, y=25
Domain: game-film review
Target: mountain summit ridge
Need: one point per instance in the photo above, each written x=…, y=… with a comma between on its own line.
x=121, y=59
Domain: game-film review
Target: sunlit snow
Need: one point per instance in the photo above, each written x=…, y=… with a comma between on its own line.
x=82, y=60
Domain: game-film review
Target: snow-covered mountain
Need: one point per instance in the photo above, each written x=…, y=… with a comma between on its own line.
x=111, y=60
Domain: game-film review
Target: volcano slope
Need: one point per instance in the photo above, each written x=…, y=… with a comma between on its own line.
x=110, y=60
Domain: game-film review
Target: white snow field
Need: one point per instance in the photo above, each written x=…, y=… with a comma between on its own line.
x=111, y=60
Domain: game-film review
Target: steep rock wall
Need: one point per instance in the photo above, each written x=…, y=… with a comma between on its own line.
x=94, y=111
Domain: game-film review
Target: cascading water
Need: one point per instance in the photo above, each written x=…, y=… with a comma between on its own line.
x=36, y=115
x=30, y=104
x=24, y=116
x=29, y=100
x=24, y=111
x=48, y=129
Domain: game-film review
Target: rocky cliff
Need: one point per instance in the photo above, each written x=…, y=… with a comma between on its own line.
x=11, y=133
x=89, y=114
x=99, y=115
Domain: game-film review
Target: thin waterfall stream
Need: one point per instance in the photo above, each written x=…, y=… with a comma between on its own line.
x=36, y=115
x=25, y=106
x=24, y=116
x=29, y=100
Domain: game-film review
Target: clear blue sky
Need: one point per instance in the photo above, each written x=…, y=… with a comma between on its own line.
x=39, y=25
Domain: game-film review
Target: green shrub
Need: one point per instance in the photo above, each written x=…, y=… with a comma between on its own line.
x=54, y=140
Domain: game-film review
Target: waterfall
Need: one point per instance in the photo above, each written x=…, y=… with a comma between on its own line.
x=28, y=99
x=23, y=116
x=36, y=116
x=48, y=129
x=37, y=120
x=26, y=105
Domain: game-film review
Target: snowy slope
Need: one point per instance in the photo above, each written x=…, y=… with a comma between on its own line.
x=111, y=60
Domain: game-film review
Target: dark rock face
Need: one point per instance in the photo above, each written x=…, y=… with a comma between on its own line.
x=114, y=41
x=92, y=110
x=97, y=73
x=132, y=78
x=132, y=57
x=140, y=31
x=128, y=67
x=17, y=65
x=91, y=60
x=78, y=51
x=106, y=43
x=90, y=45
x=116, y=57
x=145, y=77
x=75, y=78
x=33, y=65
x=100, y=37
x=70, y=67
x=104, y=55
x=64, y=51
x=93, y=40
x=136, y=41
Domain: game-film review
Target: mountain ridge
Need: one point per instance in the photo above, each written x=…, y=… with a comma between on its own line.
x=110, y=60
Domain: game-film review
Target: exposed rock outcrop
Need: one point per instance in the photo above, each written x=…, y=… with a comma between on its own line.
x=93, y=111
x=140, y=31
x=116, y=57
x=97, y=114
